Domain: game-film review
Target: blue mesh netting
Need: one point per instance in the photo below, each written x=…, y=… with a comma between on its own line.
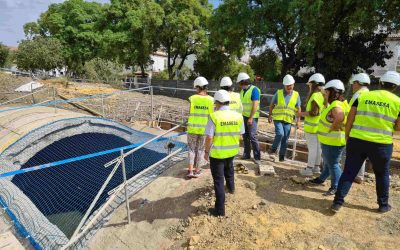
x=64, y=193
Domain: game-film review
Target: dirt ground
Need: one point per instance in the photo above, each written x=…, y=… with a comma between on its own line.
x=266, y=212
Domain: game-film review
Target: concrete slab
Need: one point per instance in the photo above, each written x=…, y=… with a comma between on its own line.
x=9, y=242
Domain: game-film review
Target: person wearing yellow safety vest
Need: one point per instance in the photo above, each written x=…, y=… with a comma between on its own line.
x=331, y=134
x=201, y=106
x=373, y=118
x=223, y=131
x=235, y=104
x=250, y=96
x=359, y=85
x=284, y=106
x=315, y=105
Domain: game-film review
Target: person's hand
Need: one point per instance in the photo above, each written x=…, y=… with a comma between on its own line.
x=207, y=156
x=270, y=119
x=250, y=122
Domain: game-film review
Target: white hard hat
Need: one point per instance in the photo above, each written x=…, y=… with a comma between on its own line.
x=337, y=84
x=226, y=82
x=361, y=78
x=222, y=96
x=200, y=82
x=317, y=77
x=392, y=77
x=288, y=80
x=242, y=76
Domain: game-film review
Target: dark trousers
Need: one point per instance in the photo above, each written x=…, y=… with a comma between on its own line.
x=356, y=152
x=222, y=169
x=250, y=139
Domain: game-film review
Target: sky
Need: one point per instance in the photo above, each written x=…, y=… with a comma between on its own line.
x=15, y=13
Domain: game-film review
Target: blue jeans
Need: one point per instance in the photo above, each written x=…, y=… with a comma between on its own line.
x=331, y=156
x=379, y=155
x=250, y=139
x=282, y=133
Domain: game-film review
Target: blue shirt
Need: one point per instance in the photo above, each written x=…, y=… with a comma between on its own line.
x=255, y=95
x=210, y=128
x=287, y=98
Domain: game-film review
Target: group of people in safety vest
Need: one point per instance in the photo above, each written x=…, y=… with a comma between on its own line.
x=362, y=127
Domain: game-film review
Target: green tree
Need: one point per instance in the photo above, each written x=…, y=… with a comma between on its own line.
x=213, y=63
x=102, y=70
x=130, y=32
x=183, y=30
x=267, y=64
x=75, y=24
x=335, y=37
x=40, y=53
x=4, y=54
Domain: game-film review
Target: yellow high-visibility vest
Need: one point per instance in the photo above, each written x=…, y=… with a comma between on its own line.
x=377, y=112
x=332, y=138
x=357, y=94
x=248, y=103
x=311, y=122
x=227, y=133
x=283, y=112
x=235, y=104
x=200, y=108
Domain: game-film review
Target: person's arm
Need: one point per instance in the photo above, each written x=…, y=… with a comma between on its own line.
x=271, y=107
x=397, y=124
x=338, y=117
x=350, y=120
x=255, y=98
x=210, y=128
x=207, y=148
x=313, y=112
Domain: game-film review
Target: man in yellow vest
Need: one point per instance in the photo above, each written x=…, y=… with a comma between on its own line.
x=359, y=84
x=223, y=131
x=250, y=97
x=201, y=106
x=373, y=118
x=235, y=104
x=285, y=105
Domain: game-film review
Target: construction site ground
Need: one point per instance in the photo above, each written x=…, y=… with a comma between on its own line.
x=266, y=212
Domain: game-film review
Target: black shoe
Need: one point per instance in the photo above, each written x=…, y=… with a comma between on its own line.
x=281, y=158
x=245, y=157
x=335, y=207
x=231, y=191
x=384, y=209
x=316, y=181
x=214, y=212
x=331, y=191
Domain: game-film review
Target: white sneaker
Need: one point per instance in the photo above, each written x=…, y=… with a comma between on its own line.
x=316, y=170
x=306, y=171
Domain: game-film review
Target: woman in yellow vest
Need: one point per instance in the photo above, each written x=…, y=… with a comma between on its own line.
x=201, y=106
x=223, y=131
x=284, y=106
x=359, y=85
x=235, y=104
x=331, y=134
x=315, y=105
x=373, y=118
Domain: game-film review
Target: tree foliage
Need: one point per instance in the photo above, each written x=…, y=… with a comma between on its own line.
x=334, y=37
x=40, y=53
x=101, y=70
x=4, y=54
x=75, y=24
x=267, y=64
x=130, y=31
x=183, y=30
